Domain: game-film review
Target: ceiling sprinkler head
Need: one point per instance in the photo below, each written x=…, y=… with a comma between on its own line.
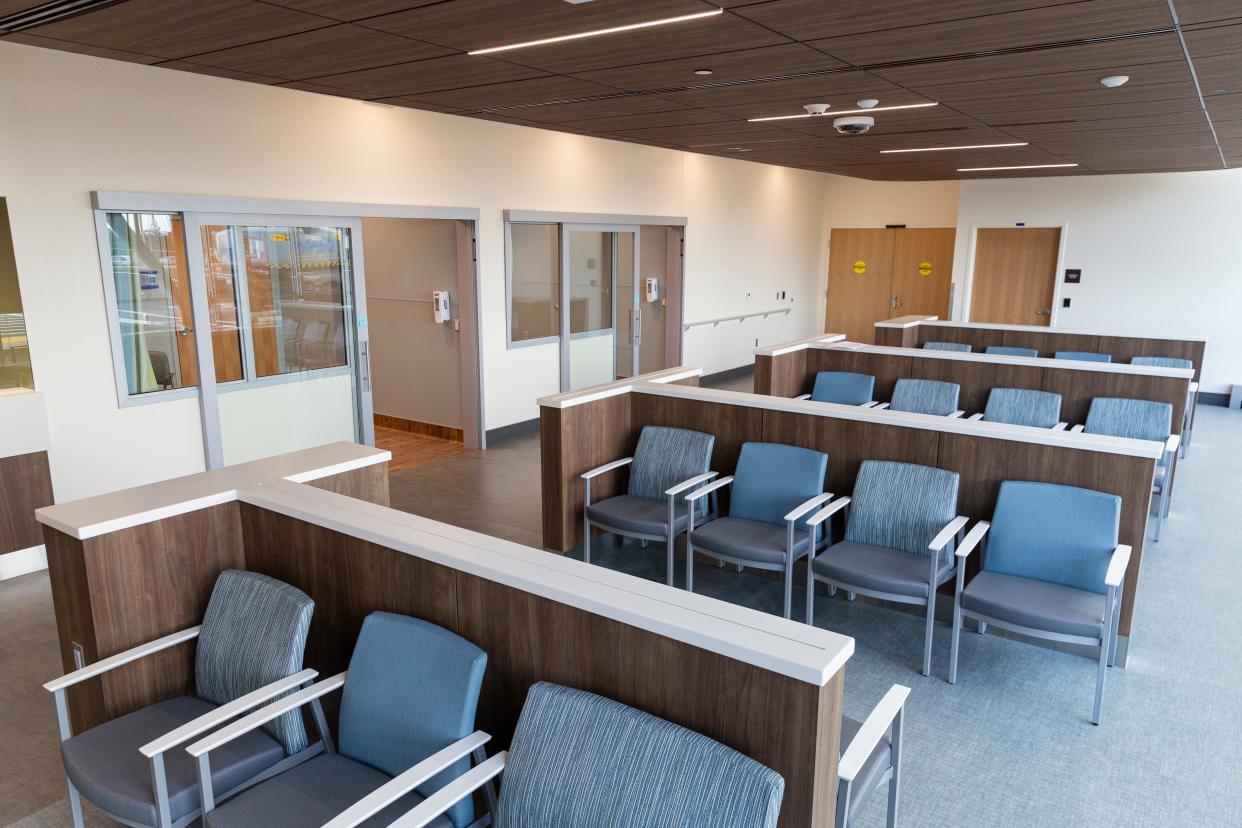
x=817, y=109
x=1113, y=81
x=867, y=103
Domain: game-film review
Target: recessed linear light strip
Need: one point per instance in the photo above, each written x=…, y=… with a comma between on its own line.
x=597, y=32
x=962, y=147
x=832, y=112
x=1019, y=167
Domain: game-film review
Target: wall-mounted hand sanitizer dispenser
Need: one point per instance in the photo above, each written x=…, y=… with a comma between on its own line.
x=652, y=289
x=440, y=302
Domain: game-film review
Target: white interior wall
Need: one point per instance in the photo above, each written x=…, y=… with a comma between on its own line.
x=1158, y=252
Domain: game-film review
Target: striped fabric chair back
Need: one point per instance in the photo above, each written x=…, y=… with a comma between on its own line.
x=1136, y=419
x=1023, y=406
x=961, y=347
x=843, y=388
x=920, y=396
x=254, y=632
x=901, y=505
x=1162, y=362
x=666, y=456
x=1009, y=350
x=578, y=759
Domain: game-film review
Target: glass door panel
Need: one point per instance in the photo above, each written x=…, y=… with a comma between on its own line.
x=591, y=258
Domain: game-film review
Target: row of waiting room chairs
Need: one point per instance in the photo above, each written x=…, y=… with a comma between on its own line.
x=1054, y=568
x=1110, y=416
x=407, y=751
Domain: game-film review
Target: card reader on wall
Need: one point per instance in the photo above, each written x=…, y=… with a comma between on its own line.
x=652, y=289
x=440, y=302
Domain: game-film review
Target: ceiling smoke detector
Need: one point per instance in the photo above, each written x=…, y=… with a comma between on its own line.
x=817, y=109
x=1113, y=81
x=867, y=103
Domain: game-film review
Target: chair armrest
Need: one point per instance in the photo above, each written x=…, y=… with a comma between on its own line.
x=948, y=533
x=807, y=506
x=1077, y=429
x=102, y=666
x=872, y=731
x=880, y=405
x=828, y=511
x=803, y=397
x=719, y=484
x=1173, y=442
x=225, y=712
x=400, y=785
x=452, y=793
x=972, y=539
x=265, y=714
x=691, y=483
x=1060, y=427
x=1117, y=566
x=607, y=467
x=956, y=415
x=978, y=416
x=871, y=404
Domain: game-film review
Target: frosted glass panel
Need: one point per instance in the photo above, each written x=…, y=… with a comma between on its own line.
x=271, y=419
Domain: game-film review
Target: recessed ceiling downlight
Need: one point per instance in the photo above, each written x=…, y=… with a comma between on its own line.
x=702, y=71
x=1113, y=81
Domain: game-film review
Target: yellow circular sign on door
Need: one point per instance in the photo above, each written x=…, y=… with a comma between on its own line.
x=925, y=268
x=860, y=266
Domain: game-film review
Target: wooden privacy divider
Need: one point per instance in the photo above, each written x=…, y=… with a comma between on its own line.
x=1077, y=382
x=984, y=454
x=912, y=332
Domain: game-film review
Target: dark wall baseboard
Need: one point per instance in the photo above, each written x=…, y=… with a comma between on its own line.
x=1213, y=398
x=496, y=435
x=725, y=376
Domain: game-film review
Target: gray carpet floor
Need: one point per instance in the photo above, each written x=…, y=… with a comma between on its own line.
x=1010, y=745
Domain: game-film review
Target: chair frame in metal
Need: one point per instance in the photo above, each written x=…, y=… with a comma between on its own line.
x=888, y=715
x=1165, y=488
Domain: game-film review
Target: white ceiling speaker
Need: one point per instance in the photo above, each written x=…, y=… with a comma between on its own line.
x=867, y=103
x=853, y=124
x=1113, y=81
x=817, y=109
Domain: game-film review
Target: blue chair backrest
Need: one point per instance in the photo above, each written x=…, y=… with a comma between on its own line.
x=1136, y=419
x=771, y=479
x=1059, y=534
x=1023, y=406
x=1009, y=350
x=253, y=633
x=578, y=759
x=946, y=346
x=412, y=690
x=901, y=505
x=843, y=387
x=1084, y=356
x=920, y=396
x=667, y=456
x=1162, y=362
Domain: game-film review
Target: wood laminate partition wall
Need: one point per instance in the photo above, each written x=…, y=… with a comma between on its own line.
x=912, y=332
x=984, y=454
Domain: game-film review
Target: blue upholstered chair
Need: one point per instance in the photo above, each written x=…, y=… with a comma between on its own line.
x=899, y=531
x=667, y=462
x=1024, y=407
x=1083, y=356
x=871, y=757
x=1192, y=397
x=1052, y=569
x=249, y=651
x=1009, y=350
x=960, y=347
x=843, y=388
x=921, y=396
x=407, y=714
x=1140, y=420
x=578, y=759
x=774, y=488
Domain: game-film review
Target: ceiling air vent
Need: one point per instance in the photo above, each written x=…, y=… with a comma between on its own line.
x=51, y=12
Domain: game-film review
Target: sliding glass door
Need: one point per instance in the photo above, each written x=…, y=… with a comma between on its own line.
x=599, y=267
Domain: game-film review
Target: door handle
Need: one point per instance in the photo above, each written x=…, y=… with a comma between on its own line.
x=1045, y=312
x=894, y=303
x=185, y=331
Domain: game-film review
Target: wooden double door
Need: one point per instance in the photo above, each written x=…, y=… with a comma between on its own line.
x=878, y=273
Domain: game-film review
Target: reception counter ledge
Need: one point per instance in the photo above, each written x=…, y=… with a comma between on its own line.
x=765, y=686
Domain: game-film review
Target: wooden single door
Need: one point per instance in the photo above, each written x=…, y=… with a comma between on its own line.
x=1015, y=275
x=179, y=287
x=922, y=271
x=860, y=271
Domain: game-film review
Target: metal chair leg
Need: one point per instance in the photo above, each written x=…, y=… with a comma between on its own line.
x=689, y=565
x=983, y=627
x=1101, y=671
x=850, y=596
x=927, y=633
x=894, y=784
x=75, y=804
x=788, y=589
x=957, y=634
x=810, y=595
x=669, y=551
x=586, y=541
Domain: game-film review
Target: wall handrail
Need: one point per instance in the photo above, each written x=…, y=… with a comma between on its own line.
x=737, y=317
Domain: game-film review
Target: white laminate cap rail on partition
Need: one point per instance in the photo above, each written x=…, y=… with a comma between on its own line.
x=926, y=422
x=93, y=516
x=23, y=422
x=798, y=344
x=905, y=321
x=1006, y=359
x=568, y=399
x=809, y=654
x=998, y=326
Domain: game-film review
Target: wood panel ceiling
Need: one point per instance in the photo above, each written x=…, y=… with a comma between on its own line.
x=1000, y=70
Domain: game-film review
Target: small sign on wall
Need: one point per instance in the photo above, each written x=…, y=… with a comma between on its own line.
x=1073, y=276
x=860, y=267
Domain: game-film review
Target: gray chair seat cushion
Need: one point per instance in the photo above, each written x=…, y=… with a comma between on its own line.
x=875, y=766
x=876, y=568
x=106, y=767
x=637, y=514
x=748, y=540
x=1037, y=604
x=311, y=793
